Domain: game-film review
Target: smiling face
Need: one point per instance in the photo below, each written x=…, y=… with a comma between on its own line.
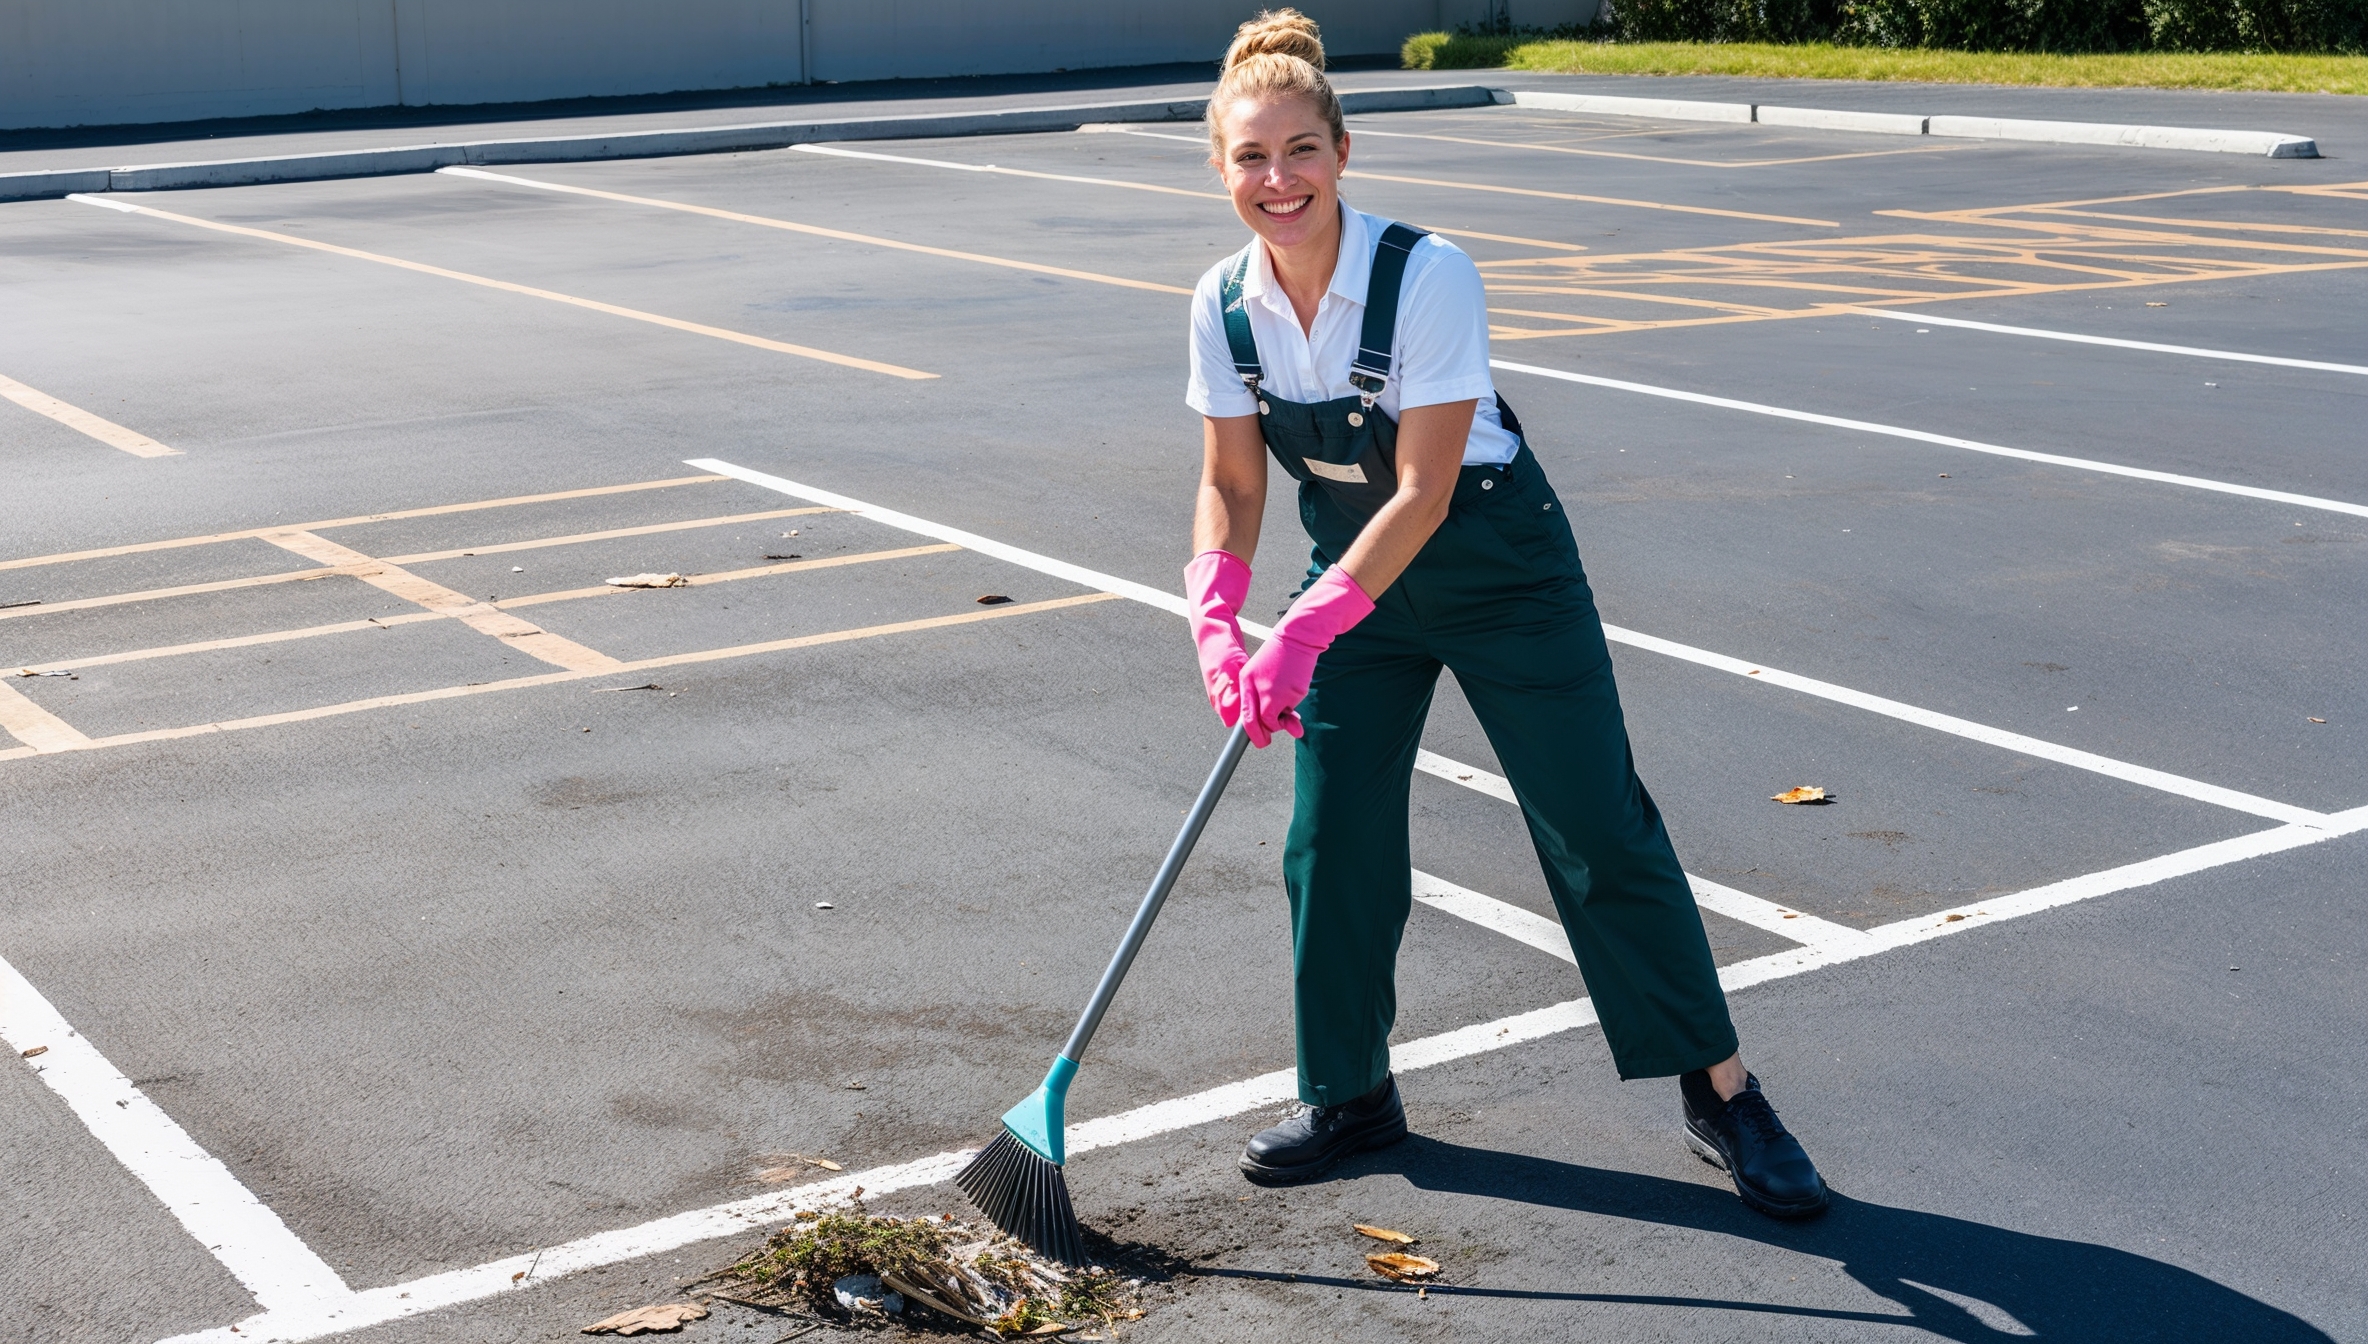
x=1282, y=169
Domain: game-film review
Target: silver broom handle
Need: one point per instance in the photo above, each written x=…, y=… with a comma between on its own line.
x=1161, y=884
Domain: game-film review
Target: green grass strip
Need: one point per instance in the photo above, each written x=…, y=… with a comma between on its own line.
x=2154, y=70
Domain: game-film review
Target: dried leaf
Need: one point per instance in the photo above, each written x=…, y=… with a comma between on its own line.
x=650, y=581
x=1384, y=1234
x=2318, y=720
x=993, y=600
x=2153, y=304
x=36, y=1050
x=1402, y=1267
x=1806, y=793
x=1951, y=919
x=644, y=1320
x=827, y=1165
x=1049, y=1327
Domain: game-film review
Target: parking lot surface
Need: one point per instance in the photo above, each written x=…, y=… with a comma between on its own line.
x=468, y=914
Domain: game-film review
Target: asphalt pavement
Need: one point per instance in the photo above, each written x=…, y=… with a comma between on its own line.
x=463, y=905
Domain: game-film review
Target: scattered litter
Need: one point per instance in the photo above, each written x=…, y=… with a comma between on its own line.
x=645, y=686
x=29, y=672
x=36, y=1050
x=861, y=1294
x=1423, y=1293
x=645, y=1320
x=993, y=600
x=2153, y=304
x=858, y=1268
x=28, y=602
x=2211, y=384
x=2071, y=709
x=1944, y=475
x=795, y=1165
x=2318, y=720
x=517, y=569
x=650, y=581
x=792, y=556
x=1384, y=1234
x=1401, y=1266
x=791, y=533
x=824, y=905
x=858, y=1085
x=1923, y=331
x=1806, y=793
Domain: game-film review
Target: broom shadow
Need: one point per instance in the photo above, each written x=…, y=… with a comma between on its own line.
x=2054, y=1288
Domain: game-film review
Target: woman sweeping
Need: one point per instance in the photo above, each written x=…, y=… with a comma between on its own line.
x=1355, y=351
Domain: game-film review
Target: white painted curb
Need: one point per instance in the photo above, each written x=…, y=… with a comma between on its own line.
x=1672, y=108
x=2269, y=144
x=1818, y=119
x=686, y=140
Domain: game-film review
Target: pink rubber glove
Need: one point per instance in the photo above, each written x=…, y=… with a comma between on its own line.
x=1216, y=584
x=1275, y=679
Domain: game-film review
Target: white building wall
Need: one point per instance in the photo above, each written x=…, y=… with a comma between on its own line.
x=107, y=62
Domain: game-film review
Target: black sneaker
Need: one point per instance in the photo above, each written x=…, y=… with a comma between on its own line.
x=1743, y=1137
x=1312, y=1142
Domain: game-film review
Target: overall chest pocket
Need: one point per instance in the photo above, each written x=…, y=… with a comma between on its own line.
x=1340, y=447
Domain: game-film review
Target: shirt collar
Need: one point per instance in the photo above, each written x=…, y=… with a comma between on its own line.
x=1352, y=274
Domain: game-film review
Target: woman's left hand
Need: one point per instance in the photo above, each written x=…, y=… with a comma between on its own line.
x=1276, y=678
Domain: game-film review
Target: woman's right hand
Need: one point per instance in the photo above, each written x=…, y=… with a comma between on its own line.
x=1216, y=584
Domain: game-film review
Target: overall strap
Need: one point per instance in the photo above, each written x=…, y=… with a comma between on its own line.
x=1237, y=321
x=1370, y=371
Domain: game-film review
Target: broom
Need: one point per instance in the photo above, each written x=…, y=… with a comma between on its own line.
x=1016, y=1181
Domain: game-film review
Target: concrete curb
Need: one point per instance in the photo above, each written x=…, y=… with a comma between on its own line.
x=654, y=144
x=2266, y=144
x=1672, y=108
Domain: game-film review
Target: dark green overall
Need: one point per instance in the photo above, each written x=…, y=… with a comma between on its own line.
x=1498, y=597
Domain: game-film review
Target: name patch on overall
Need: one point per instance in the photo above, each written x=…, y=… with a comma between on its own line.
x=1351, y=474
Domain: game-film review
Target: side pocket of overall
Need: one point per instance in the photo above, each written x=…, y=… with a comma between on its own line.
x=1524, y=512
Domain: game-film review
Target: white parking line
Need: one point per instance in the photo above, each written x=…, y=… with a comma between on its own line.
x=1944, y=440
x=396, y=1301
x=225, y=1217
x=1740, y=906
x=1174, y=603
x=1898, y=315
x=2184, y=787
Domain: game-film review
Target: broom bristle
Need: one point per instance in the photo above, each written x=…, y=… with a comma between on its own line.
x=1025, y=1196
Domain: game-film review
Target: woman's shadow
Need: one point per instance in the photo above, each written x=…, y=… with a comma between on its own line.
x=1929, y=1264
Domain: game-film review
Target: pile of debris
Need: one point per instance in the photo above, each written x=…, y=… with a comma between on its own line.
x=864, y=1269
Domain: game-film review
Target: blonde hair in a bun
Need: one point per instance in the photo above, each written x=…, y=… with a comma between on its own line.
x=1279, y=54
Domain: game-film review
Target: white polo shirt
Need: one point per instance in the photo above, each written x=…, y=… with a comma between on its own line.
x=1439, y=353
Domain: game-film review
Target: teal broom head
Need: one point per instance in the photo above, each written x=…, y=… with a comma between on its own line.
x=1017, y=1181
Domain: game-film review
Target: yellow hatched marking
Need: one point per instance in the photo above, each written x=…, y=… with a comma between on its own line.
x=1592, y=200
x=818, y=231
x=557, y=678
x=181, y=590
x=481, y=617
x=414, y=617
x=511, y=287
x=251, y=533
x=2059, y=251
x=651, y=529
x=82, y=421
x=37, y=728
